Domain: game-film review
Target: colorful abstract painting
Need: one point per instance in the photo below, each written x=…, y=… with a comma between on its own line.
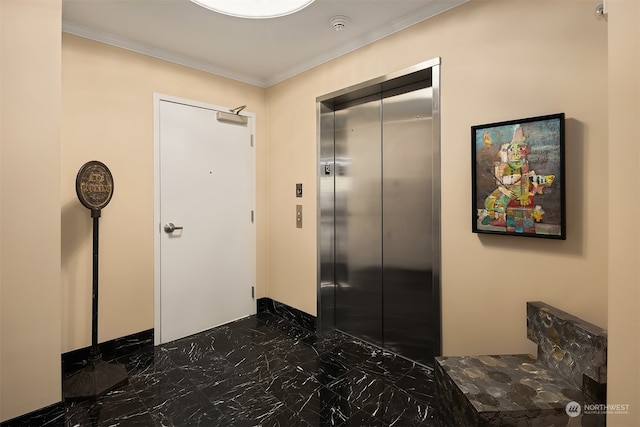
x=518, y=177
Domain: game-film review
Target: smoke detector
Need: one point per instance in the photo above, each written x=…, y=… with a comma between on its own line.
x=339, y=22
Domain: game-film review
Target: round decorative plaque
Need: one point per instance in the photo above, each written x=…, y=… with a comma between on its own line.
x=94, y=185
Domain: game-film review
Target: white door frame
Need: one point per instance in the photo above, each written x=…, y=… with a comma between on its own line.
x=157, y=99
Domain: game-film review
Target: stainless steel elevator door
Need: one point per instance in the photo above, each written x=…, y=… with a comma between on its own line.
x=383, y=222
x=358, y=221
x=407, y=225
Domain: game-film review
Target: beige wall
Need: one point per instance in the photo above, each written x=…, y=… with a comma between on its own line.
x=30, y=315
x=624, y=230
x=497, y=64
x=107, y=115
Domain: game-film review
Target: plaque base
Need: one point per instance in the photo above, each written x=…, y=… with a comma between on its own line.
x=97, y=378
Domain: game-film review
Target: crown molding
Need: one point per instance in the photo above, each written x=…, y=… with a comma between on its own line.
x=431, y=10
x=121, y=42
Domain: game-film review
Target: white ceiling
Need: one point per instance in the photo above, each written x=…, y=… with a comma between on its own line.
x=261, y=52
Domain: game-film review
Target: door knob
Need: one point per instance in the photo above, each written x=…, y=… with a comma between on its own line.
x=170, y=228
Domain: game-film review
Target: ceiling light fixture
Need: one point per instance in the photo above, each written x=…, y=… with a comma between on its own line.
x=255, y=9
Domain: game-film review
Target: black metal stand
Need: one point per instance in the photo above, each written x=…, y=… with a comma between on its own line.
x=97, y=377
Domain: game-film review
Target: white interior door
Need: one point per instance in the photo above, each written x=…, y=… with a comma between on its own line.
x=205, y=187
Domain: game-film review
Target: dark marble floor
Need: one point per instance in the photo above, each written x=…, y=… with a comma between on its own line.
x=264, y=370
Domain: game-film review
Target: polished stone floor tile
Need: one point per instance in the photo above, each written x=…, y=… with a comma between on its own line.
x=395, y=407
x=418, y=383
x=389, y=365
x=326, y=368
x=295, y=389
x=264, y=370
x=120, y=406
x=359, y=387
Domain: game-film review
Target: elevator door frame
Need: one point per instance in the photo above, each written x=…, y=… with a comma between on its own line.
x=327, y=165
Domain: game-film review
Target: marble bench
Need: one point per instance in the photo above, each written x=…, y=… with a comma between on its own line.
x=525, y=390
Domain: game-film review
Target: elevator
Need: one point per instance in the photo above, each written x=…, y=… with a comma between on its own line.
x=379, y=212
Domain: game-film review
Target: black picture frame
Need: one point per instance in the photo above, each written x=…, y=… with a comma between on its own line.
x=518, y=177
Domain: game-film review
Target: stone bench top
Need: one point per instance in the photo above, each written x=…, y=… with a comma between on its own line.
x=509, y=383
x=527, y=390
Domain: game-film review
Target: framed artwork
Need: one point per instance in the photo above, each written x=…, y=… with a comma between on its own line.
x=518, y=179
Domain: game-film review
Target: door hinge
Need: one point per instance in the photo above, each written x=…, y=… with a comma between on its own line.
x=252, y=217
x=253, y=292
x=252, y=140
